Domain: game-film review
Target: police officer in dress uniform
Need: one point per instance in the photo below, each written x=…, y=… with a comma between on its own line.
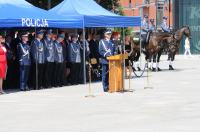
x=38, y=58
x=59, y=59
x=164, y=26
x=74, y=57
x=145, y=30
x=24, y=60
x=64, y=68
x=152, y=26
x=106, y=49
x=49, y=59
x=87, y=52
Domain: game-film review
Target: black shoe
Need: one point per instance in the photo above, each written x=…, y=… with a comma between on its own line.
x=23, y=90
x=153, y=69
x=138, y=68
x=170, y=67
x=27, y=89
x=159, y=69
x=105, y=90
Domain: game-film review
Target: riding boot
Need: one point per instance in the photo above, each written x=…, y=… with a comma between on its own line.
x=170, y=67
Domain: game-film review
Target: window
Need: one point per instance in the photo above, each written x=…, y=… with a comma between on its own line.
x=160, y=12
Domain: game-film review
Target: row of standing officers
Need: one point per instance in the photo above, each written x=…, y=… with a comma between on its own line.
x=48, y=55
x=45, y=59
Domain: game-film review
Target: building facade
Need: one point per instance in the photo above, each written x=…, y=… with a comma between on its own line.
x=155, y=9
x=179, y=12
x=188, y=14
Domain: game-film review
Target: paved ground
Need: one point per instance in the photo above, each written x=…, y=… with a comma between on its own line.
x=173, y=105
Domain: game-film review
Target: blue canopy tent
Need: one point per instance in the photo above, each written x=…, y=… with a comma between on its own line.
x=93, y=15
x=19, y=13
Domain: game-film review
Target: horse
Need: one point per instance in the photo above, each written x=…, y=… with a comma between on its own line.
x=174, y=48
x=157, y=43
x=135, y=55
x=153, y=48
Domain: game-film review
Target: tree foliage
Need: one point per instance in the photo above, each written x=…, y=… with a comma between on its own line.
x=44, y=3
x=111, y=5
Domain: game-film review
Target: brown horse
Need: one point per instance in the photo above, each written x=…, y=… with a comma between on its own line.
x=174, y=48
x=157, y=42
x=135, y=55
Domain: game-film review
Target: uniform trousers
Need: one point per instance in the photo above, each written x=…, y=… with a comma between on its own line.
x=58, y=75
x=49, y=73
x=64, y=76
x=24, y=75
x=74, y=73
x=105, y=77
x=40, y=75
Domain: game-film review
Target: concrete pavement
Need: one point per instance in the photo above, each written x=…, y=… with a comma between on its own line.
x=173, y=105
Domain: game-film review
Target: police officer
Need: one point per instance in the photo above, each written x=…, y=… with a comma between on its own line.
x=38, y=58
x=145, y=24
x=24, y=61
x=74, y=57
x=145, y=30
x=106, y=49
x=164, y=26
x=59, y=59
x=49, y=59
x=152, y=26
x=87, y=52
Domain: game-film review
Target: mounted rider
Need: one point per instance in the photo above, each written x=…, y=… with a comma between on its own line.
x=152, y=26
x=166, y=29
x=164, y=26
x=145, y=33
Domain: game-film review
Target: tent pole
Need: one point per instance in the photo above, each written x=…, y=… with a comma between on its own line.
x=84, y=67
x=36, y=65
x=140, y=47
x=123, y=51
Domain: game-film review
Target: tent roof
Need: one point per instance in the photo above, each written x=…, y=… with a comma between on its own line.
x=19, y=13
x=94, y=15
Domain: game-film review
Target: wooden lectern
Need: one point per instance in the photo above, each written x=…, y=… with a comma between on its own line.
x=116, y=79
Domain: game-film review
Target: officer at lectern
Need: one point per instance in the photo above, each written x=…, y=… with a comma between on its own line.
x=106, y=49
